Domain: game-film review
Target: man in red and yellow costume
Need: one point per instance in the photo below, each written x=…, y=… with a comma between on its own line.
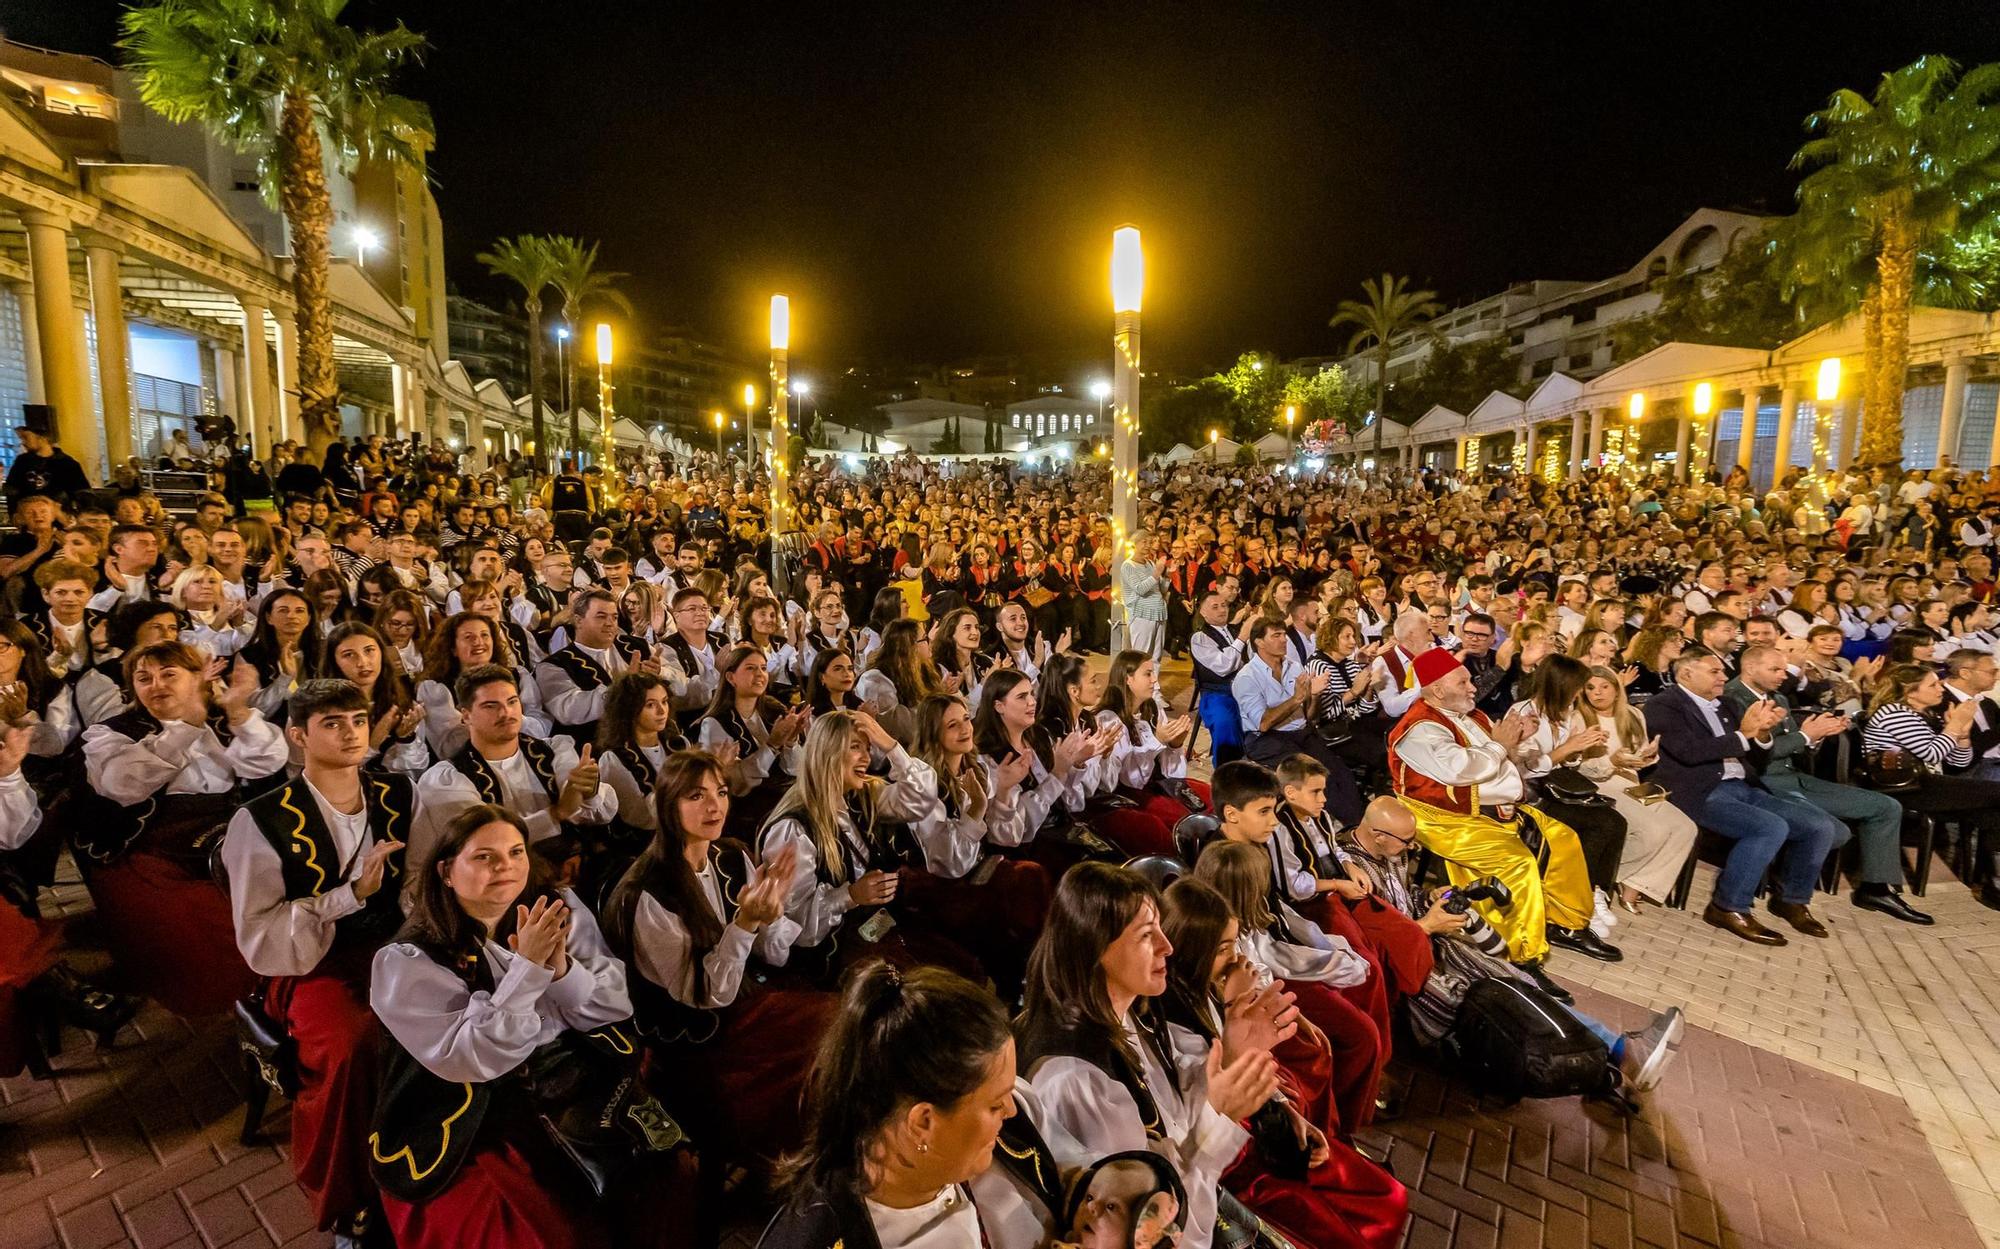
x=1454, y=768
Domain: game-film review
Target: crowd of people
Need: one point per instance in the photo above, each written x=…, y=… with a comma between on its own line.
x=597, y=859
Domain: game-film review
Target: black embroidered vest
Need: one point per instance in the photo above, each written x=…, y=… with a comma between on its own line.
x=541, y=759
x=182, y=825
x=290, y=820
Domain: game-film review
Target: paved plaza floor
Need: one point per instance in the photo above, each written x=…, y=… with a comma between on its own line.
x=1838, y=1093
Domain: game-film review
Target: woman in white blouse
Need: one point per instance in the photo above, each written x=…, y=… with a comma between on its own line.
x=847, y=874
x=766, y=736
x=702, y=925
x=1033, y=813
x=918, y=1133
x=360, y=654
x=1658, y=835
x=493, y=976
x=217, y=622
x=1148, y=761
x=900, y=676
x=1218, y=990
x=169, y=772
x=991, y=905
x=1110, y=1072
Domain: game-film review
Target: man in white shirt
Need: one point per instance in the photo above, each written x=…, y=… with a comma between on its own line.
x=575, y=679
x=1454, y=768
x=1218, y=655
x=1394, y=671
x=1712, y=580
x=129, y=570
x=315, y=869
x=547, y=783
x=1274, y=693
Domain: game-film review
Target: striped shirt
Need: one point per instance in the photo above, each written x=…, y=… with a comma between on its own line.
x=1898, y=727
x=1341, y=675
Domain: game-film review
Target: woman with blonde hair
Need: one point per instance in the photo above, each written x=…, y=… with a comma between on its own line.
x=848, y=873
x=1658, y=835
x=215, y=621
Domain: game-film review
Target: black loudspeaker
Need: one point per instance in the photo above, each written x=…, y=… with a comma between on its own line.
x=38, y=418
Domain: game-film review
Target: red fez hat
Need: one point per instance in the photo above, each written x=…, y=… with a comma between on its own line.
x=1435, y=665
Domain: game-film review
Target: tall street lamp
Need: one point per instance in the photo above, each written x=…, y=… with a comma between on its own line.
x=1128, y=283
x=604, y=413
x=718, y=437
x=1291, y=417
x=781, y=429
x=562, y=368
x=749, y=406
x=1100, y=390
x=1213, y=434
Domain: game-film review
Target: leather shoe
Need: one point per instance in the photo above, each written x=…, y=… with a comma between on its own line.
x=1989, y=895
x=1800, y=917
x=1541, y=978
x=1742, y=923
x=1890, y=901
x=1586, y=943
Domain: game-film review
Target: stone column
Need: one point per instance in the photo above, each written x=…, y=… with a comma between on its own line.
x=1576, y=437
x=1956, y=374
x=1683, y=432
x=65, y=383
x=114, y=345
x=260, y=394
x=1746, y=442
x=287, y=374
x=1527, y=437
x=1788, y=416
x=1596, y=445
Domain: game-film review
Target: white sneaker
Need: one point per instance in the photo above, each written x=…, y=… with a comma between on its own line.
x=1602, y=921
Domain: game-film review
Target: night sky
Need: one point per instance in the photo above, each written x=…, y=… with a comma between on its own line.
x=939, y=180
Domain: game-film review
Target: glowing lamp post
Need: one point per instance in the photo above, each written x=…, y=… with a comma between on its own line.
x=1701, y=403
x=781, y=428
x=1635, y=411
x=718, y=418
x=749, y=406
x=1291, y=418
x=1213, y=434
x=604, y=414
x=1826, y=393
x=1128, y=283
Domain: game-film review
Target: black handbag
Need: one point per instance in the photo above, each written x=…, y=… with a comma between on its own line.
x=1177, y=789
x=1567, y=785
x=267, y=1046
x=1283, y=1152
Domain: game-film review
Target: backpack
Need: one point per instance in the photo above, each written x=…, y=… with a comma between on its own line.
x=1516, y=1041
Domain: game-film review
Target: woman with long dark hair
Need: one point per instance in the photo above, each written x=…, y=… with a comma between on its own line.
x=764, y=734
x=955, y=640
x=499, y=991
x=360, y=654
x=1148, y=763
x=1548, y=757
x=281, y=649
x=759, y=624
x=635, y=736
x=1340, y=1197
x=403, y=620
x=900, y=677
x=1090, y=794
x=830, y=684
x=1107, y=1067
x=1032, y=812
x=703, y=926
x=917, y=1132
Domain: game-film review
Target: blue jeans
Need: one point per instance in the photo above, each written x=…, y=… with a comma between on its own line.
x=1599, y=1029
x=1762, y=824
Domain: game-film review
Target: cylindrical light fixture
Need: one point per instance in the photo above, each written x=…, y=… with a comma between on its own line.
x=780, y=518
x=1128, y=285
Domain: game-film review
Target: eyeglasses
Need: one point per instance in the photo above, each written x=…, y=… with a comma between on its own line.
x=1399, y=839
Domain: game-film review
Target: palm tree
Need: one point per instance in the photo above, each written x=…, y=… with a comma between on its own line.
x=283, y=79
x=1387, y=310
x=581, y=282
x=529, y=262
x=1896, y=181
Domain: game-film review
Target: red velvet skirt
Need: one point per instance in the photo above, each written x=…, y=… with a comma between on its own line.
x=327, y=1016
x=1372, y=994
x=170, y=933
x=743, y=1087
x=501, y=1198
x=1347, y=1202
x=27, y=949
x=995, y=919
x=1356, y=1049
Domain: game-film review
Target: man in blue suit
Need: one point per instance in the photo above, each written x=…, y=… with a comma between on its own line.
x=1707, y=754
